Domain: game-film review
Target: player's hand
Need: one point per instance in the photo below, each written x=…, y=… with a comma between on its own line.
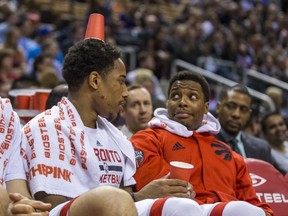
x=22, y=206
x=164, y=187
x=267, y=214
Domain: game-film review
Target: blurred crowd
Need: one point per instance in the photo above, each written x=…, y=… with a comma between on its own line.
x=251, y=33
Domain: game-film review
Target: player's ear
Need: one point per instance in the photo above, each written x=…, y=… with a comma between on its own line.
x=94, y=79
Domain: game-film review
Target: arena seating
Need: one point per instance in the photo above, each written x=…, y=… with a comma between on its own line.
x=270, y=185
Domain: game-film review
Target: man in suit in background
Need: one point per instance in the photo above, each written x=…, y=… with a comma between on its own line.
x=233, y=112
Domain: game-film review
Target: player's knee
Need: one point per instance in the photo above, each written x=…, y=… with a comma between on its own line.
x=239, y=208
x=112, y=201
x=110, y=194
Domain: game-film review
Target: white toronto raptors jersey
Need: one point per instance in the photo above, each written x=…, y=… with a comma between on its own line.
x=110, y=157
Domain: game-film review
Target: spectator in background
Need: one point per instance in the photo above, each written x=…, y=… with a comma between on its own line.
x=275, y=131
x=49, y=48
x=10, y=19
x=146, y=61
x=49, y=79
x=244, y=60
x=233, y=112
x=40, y=63
x=43, y=71
x=26, y=42
x=71, y=35
x=276, y=94
x=161, y=45
x=44, y=34
x=7, y=72
x=144, y=77
x=278, y=97
x=268, y=66
x=137, y=111
x=11, y=42
x=253, y=126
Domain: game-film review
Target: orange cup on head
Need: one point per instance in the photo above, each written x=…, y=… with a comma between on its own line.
x=180, y=170
x=95, y=27
x=39, y=100
x=23, y=101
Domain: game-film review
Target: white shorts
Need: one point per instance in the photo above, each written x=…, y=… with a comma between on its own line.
x=171, y=207
x=143, y=208
x=56, y=210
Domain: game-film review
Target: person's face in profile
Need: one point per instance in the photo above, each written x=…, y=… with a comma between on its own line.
x=234, y=112
x=112, y=92
x=186, y=103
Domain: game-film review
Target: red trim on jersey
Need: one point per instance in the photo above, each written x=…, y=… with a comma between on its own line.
x=157, y=207
x=218, y=209
x=66, y=207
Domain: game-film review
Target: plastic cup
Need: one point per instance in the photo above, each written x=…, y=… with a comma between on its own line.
x=180, y=170
x=23, y=101
x=95, y=27
x=39, y=100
